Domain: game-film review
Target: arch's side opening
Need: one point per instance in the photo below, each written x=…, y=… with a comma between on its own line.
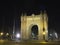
x=34, y=32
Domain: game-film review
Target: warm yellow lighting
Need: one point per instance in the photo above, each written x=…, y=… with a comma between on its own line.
x=43, y=33
x=27, y=23
x=2, y=41
x=43, y=42
x=7, y=34
x=1, y=33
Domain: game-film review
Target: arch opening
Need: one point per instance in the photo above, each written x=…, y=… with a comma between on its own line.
x=34, y=32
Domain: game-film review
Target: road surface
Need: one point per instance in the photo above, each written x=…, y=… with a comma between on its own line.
x=9, y=42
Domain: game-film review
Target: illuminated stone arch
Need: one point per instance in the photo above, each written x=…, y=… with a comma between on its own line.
x=27, y=22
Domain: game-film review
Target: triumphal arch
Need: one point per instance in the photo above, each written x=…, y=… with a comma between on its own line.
x=27, y=22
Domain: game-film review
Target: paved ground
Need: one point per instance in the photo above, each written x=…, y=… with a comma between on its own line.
x=6, y=42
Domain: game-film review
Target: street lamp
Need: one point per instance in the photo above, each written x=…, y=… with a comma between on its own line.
x=17, y=35
x=7, y=34
x=43, y=33
x=1, y=33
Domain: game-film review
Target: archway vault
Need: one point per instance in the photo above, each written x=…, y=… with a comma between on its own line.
x=27, y=22
x=34, y=32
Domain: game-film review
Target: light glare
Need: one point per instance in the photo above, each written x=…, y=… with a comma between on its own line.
x=18, y=35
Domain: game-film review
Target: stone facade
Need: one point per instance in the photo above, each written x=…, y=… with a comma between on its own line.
x=27, y=22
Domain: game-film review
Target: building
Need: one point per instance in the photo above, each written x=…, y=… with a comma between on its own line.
x=41, y=21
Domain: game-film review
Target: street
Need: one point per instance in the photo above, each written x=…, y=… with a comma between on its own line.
x=7, y=42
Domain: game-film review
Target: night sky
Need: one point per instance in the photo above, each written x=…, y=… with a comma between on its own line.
x=12, y=10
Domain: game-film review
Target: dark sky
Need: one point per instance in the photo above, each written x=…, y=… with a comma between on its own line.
x=10, y=10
